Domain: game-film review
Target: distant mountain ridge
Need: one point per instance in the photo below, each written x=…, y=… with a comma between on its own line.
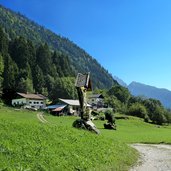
x=139, y=89
x=120, y=81
x=16, y=25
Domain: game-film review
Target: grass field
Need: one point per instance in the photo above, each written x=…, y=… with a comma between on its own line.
x=28, y=144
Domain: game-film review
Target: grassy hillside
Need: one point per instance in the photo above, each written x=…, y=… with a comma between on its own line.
x=29, y=144
x=132, y=130
x=16, y=24
x=26, y=143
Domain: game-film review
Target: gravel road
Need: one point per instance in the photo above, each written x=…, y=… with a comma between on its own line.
x=153, y=157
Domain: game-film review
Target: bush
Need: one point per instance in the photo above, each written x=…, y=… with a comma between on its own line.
x=109, y=115
x=158, y=116
x=167, y=114
x=138, y=110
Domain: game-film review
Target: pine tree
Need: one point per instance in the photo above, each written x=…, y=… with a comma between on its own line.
x=10, y=73
x=24, y=82
x=44, y=59
x=1, y=73
x=3, y=42
x=63, y=88
x=19, y=52
x=38, y=80
x=62, y=64
x=31, y=54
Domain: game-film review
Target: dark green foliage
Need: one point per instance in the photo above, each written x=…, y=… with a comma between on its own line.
x=167, y=114
x=1, y=73
x=25, y=68
x=49, y=83
x=134, y=99
x=32, y=54
x=64, y=88
x=62, y=65
x=109, y=116
x=139, y=110
x=25, y=85
x=3, y=42
x=158, y=116
x=18, y=25
x=151, y=110
x=19, y=52
x=120, y=92
x=113, y=102
x=43, y=59
x=38, y=79
x=10, y=73
x=155, y=111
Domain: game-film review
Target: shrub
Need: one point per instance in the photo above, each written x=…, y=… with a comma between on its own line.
x=138, y=110
x=109, y=115
x=158, y=116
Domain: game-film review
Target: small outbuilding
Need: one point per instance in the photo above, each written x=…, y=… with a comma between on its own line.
x=58, y=109
x=96, y=100
x=73, y=106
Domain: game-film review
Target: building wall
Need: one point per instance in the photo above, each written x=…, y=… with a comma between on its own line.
x=95, y=100
x=29, y=102
x=21, y=101
x=36, y=103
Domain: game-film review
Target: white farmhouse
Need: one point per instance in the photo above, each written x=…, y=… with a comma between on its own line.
x=37, y=101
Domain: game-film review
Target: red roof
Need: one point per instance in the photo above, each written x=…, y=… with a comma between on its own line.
x=58, y=109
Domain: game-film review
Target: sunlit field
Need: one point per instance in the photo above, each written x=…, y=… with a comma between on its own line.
x=28, y=144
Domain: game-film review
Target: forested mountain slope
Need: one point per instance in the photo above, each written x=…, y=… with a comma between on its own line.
x=16, y=25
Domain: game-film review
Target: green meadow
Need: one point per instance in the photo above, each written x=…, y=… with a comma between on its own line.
x=28, y=144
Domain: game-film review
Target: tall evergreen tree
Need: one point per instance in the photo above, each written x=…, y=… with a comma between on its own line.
x=56, y=62
x=1, y=73
x=10, y=76
x=31, y=54
x=3, y=42
x=38, y=79
x=62, y=64
x=19, y=52
x=63, y=88
x=10, y=73
x=24, y=81
x=44, y=61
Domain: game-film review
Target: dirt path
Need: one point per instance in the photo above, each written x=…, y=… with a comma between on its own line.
x=153, y=157
x=41, y=118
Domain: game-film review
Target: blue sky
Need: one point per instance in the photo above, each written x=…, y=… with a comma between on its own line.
x=130, y=38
